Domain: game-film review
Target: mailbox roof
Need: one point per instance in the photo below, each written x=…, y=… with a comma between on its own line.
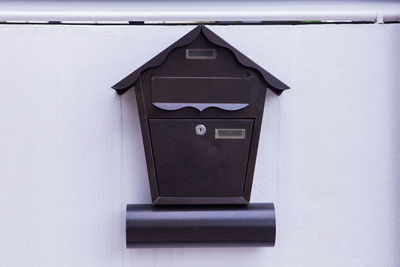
x=273, y=83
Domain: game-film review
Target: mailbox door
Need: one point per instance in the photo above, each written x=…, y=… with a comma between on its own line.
x=201, y=157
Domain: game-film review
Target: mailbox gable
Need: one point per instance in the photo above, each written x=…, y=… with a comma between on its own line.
x=200, y=33
x=200, y=105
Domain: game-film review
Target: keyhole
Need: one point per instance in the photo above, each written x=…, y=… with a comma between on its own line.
x=201, y=129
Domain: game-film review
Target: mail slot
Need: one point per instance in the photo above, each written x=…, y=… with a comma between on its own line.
x=200, y=105
x=228, y=93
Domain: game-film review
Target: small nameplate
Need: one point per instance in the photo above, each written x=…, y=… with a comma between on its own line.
x=230, y=133
x=201, y=53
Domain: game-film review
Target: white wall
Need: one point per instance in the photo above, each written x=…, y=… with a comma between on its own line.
x=72, y=156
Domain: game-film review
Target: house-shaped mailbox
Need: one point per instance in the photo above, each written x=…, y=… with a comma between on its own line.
x=200, y=104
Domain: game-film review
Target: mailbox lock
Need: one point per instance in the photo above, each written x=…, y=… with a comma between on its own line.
x=201, y=129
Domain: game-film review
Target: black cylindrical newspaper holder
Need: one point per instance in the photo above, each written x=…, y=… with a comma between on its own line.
x=208, y=225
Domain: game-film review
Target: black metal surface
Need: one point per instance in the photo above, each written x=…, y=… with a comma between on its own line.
x=191, y=165
x=200, y=225
x=227, y=93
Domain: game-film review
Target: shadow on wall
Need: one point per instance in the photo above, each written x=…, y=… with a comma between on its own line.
x=394, y=143
x=135, y=183
x=197, y=256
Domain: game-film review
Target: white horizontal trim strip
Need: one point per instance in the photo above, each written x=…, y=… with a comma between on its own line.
x=192, y=11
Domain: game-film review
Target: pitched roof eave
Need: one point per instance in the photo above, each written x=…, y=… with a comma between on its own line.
x=273, y=83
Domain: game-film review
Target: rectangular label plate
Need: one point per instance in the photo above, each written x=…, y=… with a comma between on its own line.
x=230, y=133
x=201, y=53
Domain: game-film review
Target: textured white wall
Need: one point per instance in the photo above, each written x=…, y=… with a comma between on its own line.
x=72, y=156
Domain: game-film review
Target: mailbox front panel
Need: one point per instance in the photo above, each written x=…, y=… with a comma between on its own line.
x=201, y=157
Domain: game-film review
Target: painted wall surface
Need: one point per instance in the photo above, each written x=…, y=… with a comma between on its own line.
x=72, y=154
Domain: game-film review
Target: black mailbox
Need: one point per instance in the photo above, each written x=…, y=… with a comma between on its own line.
x=200, y=104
